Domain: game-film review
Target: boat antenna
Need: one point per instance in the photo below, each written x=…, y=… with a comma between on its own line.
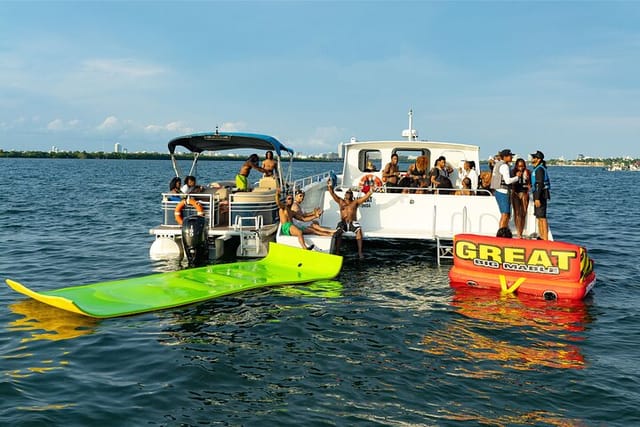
x=411, y=133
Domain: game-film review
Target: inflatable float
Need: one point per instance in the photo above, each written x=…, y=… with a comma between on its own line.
x=283, y=265
x=542, y=268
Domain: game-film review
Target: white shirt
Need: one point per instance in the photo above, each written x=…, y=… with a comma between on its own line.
x=506, y=176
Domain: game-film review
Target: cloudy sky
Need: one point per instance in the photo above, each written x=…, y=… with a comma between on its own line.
x=561, y=77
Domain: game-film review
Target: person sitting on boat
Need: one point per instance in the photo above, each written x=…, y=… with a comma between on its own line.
x=370, y=167
x=349, y=215
x=501, y=180
x=416, y=175
x=190, y=186
x=466, y=188
x=439, y=175
x=308, y=219
x=484, y=183
x=174, y=188
x=269, y=165
x=391, y=173
x=242, y=181
x=297, y=206
x=287, y=228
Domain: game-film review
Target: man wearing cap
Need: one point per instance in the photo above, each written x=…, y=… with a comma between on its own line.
x=540, y=187
x=500, y=183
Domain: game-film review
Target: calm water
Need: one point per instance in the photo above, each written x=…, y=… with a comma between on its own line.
x=388, y=343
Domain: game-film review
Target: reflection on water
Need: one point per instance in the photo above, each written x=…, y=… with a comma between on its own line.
x=319, y=289
x=529, y=418
x=48, y=323
x=543, y=338
x=520, y=310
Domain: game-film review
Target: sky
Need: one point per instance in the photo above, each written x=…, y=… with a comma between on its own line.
x=560, y=77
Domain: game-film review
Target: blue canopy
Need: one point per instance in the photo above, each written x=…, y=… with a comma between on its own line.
x=218, y=141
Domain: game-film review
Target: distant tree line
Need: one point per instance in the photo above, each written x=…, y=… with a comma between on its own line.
x=128, y=156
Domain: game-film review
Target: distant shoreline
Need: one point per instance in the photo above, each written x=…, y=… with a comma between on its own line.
x=588, y=162
x=100, y=155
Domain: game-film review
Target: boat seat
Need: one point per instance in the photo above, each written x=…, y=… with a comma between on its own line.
x=268, y=182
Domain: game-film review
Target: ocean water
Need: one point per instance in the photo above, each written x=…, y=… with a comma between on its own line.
x=388, y=343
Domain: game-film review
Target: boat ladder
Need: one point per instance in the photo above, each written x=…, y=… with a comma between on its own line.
x=444, y=248
x=250, y=241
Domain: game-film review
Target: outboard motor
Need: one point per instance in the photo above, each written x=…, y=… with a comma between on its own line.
x=194, y=240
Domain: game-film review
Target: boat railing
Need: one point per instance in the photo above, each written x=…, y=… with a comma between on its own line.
x=170, y=202
x=309, y=180
x=253, y=204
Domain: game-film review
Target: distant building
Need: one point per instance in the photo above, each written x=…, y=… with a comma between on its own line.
x=117, y=148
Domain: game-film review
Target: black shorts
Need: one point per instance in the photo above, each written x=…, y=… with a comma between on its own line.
x=541, y=212
x=349, y=226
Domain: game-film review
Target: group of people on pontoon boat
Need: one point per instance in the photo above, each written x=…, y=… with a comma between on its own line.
x=268, y=169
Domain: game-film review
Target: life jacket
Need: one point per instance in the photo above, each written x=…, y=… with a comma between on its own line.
x=497, y=180
x=546, y=183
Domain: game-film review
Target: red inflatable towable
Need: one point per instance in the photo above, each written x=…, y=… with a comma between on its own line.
x=542, y=268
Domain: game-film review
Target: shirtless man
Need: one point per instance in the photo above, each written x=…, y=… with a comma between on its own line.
x=287, y=228
x=242, y=183
x=348, y=213
x=269, y=165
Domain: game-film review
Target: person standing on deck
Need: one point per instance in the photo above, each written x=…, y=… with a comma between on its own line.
x=501, y=181
x=349, y=215
x=520, y=196
x=540, y=186
x=242, y=182
x=469, y=171
x=269, y=164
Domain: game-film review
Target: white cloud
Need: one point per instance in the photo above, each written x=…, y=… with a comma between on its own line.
x=121, y=67
x=59, y=124
x=173, y=127
x=232, y=126
x=110, y=123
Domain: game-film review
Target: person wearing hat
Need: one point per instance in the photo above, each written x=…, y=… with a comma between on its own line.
x=501, y=181
x=540, y=187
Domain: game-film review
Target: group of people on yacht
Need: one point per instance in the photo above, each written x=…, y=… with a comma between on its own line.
x=420, y=179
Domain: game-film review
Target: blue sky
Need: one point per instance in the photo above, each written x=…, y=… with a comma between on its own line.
x=561, y=77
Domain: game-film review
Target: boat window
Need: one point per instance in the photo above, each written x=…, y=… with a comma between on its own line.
x=370, y=161
x=408, y=156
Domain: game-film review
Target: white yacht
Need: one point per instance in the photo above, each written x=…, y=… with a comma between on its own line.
x=404, y=213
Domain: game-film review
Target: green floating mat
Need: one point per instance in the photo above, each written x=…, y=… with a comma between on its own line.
x=283, y=265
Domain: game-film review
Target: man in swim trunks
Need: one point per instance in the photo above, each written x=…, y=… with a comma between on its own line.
x=242, y=183
x=287, y=228
x=349, y=214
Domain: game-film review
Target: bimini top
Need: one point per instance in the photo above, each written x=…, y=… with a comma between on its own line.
x=218, y=141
